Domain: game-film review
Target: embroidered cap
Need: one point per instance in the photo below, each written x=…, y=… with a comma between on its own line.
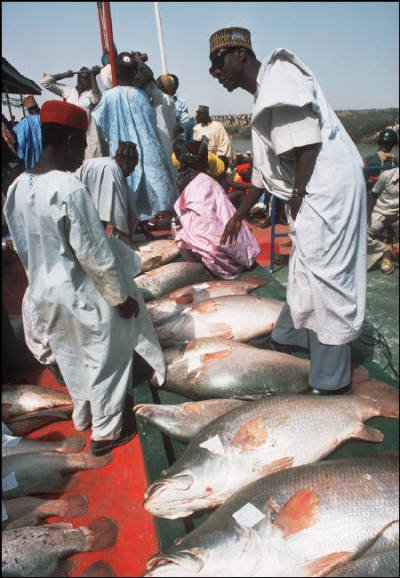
x=65, y=113
x=230, y=37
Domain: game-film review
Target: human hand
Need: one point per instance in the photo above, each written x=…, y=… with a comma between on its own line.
x=389, y=220
x=95, y=70
x=69, y=73
x=294, y=205
x=128, y=308
x=231, y=231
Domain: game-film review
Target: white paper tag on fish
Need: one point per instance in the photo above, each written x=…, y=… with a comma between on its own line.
x=248, y=516
x=145, y=248
x=4, y=515
x=194, y=362
x=9, y=482
x=10, y=441
x=200, y=287
x=213, y=445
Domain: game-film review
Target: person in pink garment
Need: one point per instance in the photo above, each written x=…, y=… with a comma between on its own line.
x=203, y=209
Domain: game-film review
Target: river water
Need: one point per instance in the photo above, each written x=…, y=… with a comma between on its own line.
x=242, y=145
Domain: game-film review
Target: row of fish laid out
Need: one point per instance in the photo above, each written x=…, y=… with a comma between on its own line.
x=259, y=438
x=32, y=468
x=322, y=519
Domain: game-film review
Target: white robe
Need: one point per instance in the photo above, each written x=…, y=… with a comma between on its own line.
x=326, y=289
x=110, y=193
x=75, y=283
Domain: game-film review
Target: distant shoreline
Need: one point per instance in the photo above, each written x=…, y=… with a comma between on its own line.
x=363, y=126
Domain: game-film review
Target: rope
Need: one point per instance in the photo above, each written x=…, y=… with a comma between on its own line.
x=368, y=339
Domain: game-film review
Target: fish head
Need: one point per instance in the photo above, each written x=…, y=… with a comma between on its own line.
x=179, y=495
x=187, y=563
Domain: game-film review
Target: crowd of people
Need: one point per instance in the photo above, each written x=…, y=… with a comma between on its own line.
x=98, y=167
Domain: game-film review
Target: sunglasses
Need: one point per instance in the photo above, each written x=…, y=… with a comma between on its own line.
x=218, y=60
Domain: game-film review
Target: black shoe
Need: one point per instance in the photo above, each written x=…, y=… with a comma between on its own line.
x=101, y=447
x=344, y=389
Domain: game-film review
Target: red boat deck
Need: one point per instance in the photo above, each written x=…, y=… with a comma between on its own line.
x=116, y=490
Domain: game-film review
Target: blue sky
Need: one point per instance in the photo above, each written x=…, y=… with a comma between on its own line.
x=352, y=47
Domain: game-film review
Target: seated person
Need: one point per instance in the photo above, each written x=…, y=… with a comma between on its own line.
x=203, y=209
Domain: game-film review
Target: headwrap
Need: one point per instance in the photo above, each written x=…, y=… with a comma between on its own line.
x=64, y=113
x=193, y=157
x=168, y=83
x=229, y=37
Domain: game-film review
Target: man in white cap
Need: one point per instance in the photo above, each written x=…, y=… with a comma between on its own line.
x=303, y=155
x=219, y=142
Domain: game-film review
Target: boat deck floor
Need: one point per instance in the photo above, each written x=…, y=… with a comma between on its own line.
x=117, y=490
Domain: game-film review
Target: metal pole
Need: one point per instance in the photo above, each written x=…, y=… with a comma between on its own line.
x=110, y=42
x=100, y=13
x=160, y=38
x=9, y=105
x=22, y=105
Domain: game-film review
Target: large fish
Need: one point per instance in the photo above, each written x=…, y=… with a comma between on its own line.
x=157, y=253
x=25, y=423
x=185, y=420
x=236, y=317
x=19, y=445
x=31, y=511
x=46, y=472
x=263, y=437
x=20, y=399
x=38, y=550
x=208, y=368
x=299, y=522
x=169, y=277
x=170, y=305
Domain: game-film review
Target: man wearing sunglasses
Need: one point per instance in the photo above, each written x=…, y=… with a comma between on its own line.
x=303, y=155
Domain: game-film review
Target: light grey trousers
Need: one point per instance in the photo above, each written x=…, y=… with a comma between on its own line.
x=330, y=365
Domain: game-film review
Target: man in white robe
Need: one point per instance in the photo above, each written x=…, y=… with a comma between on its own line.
x=303, y=155
x=105, y=179
x=91, y=313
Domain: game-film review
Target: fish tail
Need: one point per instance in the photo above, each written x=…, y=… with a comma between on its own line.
x=383, y=396
x=98, y=569
x=73, y=506
x=74, y=443
x=101, y=534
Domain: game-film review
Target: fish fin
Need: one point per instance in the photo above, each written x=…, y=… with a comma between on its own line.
x=277, y=466
x=102, y=534
x=369, y=434
x=326, y=564
x=64, y=569
x=185, y=299
x=61, y=525
x=299, y=512
x=221, y=330
x=384, y=397
x=91, y=462
x=74, y=443
x=74, y=506
x=99, y=569
x=215, y=355
x=359, y=375
x=208, y=306
x=255, y=282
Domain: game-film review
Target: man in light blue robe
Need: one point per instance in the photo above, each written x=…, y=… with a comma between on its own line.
x=125, y=113
x=29, y=135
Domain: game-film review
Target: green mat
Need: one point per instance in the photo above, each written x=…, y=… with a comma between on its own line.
x=160, y=451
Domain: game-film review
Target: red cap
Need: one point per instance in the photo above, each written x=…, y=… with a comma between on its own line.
x=65, y=113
